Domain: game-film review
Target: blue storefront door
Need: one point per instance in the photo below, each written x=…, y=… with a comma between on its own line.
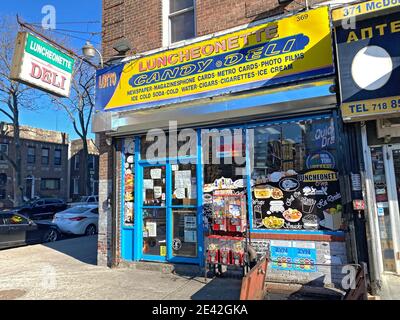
x=169, y=211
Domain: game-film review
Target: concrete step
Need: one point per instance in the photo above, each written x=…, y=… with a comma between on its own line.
x=180, y=269
x=289, y=291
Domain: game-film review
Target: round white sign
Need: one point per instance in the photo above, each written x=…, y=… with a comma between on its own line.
x=176, y=244
x=371, y=68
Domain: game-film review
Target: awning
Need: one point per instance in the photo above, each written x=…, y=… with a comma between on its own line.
x=231, y=108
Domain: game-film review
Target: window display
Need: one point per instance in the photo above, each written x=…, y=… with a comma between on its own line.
x=129, y=181
x=294, y=177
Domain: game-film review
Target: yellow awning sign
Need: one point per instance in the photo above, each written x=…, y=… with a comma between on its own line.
x=290, y=49
x=363, y=8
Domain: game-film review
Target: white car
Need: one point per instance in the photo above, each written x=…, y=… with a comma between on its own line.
x=78, y=220
x=85, y=200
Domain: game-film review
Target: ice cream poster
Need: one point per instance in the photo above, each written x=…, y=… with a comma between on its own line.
x=309, y=200
x=293, y=256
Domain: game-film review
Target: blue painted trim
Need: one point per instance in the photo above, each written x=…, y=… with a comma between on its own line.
x=138, y=220
x=122, y=206
x=200, y=229
x=163, y=161
x=248, y=184
x=168, y=212
x=149, y=257
x=260, y=84
x=153, y=207
x=317, y=232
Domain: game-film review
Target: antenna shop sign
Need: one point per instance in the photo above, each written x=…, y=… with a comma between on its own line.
x=290, y=49
x=41, y=65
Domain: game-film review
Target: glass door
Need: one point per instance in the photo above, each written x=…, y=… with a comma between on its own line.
x=169, y=208
x=154, y=212
x=393, y=179
x=379, y=170
x=183, y=210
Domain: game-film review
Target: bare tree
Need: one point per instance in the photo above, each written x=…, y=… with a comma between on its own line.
x=14, y=96
x=79, y=107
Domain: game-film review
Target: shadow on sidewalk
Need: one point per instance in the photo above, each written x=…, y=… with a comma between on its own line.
x=219, y=289
x=83, y=248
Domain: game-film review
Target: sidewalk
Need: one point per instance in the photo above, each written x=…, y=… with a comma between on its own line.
x=66, y=270
x=390, y=287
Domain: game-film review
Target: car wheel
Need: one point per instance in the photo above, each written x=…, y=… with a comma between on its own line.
x=90, y=230
x=51, y=235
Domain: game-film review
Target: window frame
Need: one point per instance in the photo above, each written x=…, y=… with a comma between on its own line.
x=77, y=163
x=29, y=156
x=2, y=158
x=75, y=183
x=167, y=25
x=43, y=157
x=56, y=163
x=42, y=182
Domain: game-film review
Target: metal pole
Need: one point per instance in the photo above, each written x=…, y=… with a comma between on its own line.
x=56, y=44
x=375, y=251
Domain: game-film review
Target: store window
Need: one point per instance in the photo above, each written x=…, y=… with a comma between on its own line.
x=129, y=180
x=181, y=20
x=159, y=145
x=31, y=155
x=45, y=156
x=50, y=184
x=294, y=176
x=224, y=156
x=57, y=157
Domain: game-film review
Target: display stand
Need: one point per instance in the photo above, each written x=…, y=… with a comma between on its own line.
x=226, y=239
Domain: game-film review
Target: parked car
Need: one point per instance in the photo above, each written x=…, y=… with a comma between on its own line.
x=18, y=230
x=40, y=209
x=85, y=200
x=78, y=220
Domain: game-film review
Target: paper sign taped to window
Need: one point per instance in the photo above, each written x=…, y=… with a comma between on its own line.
x=148, y=183
x=151, y=228
x=179, y=193
x=163, y=251
x=157, y=192
x=190, y=236
x=155, y=173
x=183, y=179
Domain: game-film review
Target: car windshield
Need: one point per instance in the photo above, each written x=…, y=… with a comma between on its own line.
x=83, y=199
x=77, y=209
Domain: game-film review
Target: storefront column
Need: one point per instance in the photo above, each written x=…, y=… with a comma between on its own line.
x=372, y=221
x=105, y=252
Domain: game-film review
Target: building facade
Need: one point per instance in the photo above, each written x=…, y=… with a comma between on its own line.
x=369, y=99
x=244, y=97
x=44, y=164
x=78, y=176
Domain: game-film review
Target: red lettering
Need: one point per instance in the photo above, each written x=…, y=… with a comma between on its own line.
x=36, y=71
x=62, y=84
x=57, y=85
x=46, y=76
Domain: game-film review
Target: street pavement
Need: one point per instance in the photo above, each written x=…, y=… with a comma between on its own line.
x=67, y=270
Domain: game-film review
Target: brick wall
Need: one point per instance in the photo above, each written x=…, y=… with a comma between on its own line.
x=105, y=192
x=140, y=22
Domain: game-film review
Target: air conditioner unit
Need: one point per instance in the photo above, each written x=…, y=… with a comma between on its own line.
x=388, y=127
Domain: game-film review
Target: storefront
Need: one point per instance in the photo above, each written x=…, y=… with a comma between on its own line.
x=368, y=63
x=232, y=137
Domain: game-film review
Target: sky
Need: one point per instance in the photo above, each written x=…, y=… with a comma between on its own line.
x=83, y=16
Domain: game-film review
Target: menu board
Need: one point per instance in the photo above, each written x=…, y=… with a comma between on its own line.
x=308, y=200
